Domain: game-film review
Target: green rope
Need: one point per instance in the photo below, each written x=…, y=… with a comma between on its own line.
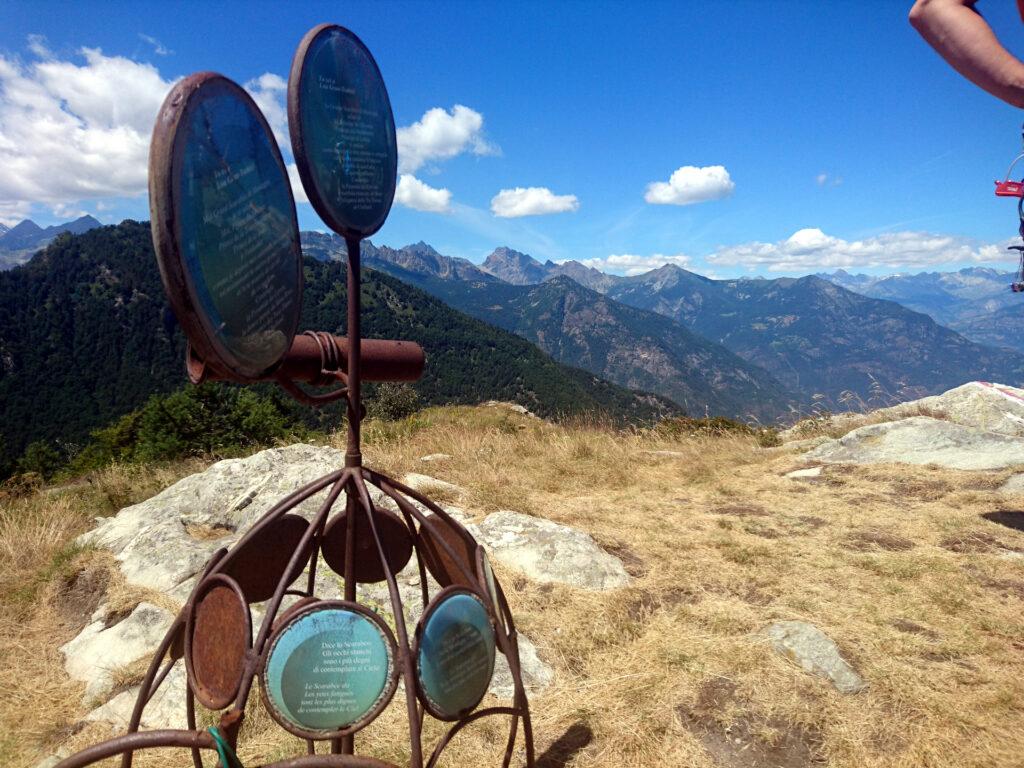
x=228, y=758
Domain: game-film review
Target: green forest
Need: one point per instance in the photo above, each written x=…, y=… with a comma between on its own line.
x=92, y=360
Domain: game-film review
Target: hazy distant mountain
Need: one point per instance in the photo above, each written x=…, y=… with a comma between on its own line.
x=817, y=337
x=813, y=336
x=418, y=258
x=4, y=229
x=632, y=347
x=976, y=301
x=18, y=243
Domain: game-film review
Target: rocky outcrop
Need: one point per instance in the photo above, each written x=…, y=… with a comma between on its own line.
x=923, y=440
x=163, y=543
x=549, y=552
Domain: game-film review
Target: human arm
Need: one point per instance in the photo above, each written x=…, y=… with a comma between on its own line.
x=964, y=39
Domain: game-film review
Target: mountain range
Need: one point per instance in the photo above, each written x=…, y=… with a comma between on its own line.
x=18, y=243
x=811, y=337
x=976, y=301
x=86, y=335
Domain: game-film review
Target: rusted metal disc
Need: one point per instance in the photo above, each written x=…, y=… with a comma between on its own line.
x=260, y=562
x=394, y=538
x=454, y=651
x=217, y=637
x=489, y=583
x=440, y=564
x=224, y=227
x=329, y=670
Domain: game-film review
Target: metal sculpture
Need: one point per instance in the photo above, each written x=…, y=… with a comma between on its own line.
x=226, y=237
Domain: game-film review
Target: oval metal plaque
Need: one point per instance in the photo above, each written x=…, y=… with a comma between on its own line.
x=394, y=538
x=224, y=226
x=342, y=131
x=330, y=670
x=217, y=637
x=455, y=650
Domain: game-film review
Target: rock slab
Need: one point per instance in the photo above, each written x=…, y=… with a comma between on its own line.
x=923, y=440
x=98, y=651
x=815, y=652
x=168, y=538
x=549, y=552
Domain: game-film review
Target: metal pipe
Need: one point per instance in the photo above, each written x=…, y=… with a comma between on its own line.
x=382, y=360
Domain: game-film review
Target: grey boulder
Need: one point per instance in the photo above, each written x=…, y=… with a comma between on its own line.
x=923, y=440
x=550, y=553
x=815, y=652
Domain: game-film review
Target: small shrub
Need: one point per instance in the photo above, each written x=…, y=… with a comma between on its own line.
x=41, y=458
x=391, y=402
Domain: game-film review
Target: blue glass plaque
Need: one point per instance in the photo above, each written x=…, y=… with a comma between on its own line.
x=455, y=658
x=237, y=232
x=328, y=669
x=343, y=131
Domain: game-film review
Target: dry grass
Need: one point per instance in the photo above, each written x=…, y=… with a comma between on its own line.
x=665, y=672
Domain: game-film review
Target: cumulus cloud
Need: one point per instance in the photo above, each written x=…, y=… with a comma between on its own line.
x=298, y=191
x=75, y=130
x=441, y=135
x=689, y=185
x=531, y=201
x=14, y=211
x=811, y=248
x=269, y=91
x=413, y=193
x=633, y=264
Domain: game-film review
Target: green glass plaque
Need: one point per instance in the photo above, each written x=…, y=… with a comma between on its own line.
x=237, y=234
x=329, y=669
x=343, y=131
x=455, y=654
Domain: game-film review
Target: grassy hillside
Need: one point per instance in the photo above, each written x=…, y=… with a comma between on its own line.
x=666, y=672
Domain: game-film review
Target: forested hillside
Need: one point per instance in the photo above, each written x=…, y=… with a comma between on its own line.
x=86, y=336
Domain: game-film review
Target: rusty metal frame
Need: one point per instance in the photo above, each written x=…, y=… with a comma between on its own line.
x=321, y=359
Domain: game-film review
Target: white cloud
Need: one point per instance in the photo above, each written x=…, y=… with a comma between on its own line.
x=441, y=135
x=633, y=264
x=158, y=48
x=413, y=193
x=531, y=201
x=689, y=184
x=269, y=91
x=74, y=131
x=68, y=212
x=14, y=211
x=298, y=191
x=811, y=248
x=827, y=180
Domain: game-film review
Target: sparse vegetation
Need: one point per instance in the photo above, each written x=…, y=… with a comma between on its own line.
x=915, y=586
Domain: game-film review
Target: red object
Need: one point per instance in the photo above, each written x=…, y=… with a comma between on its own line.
x=1009, y=188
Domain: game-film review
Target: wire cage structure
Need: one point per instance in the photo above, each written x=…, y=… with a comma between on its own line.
x=325, y=668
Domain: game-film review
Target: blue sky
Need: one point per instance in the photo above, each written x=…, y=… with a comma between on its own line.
x=823, y=133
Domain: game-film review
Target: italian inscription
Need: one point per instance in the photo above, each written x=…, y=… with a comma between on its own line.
x=328, y=670
x=239, y=237
x=349, y=132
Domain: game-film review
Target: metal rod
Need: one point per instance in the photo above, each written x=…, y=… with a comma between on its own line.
x=353, y=454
